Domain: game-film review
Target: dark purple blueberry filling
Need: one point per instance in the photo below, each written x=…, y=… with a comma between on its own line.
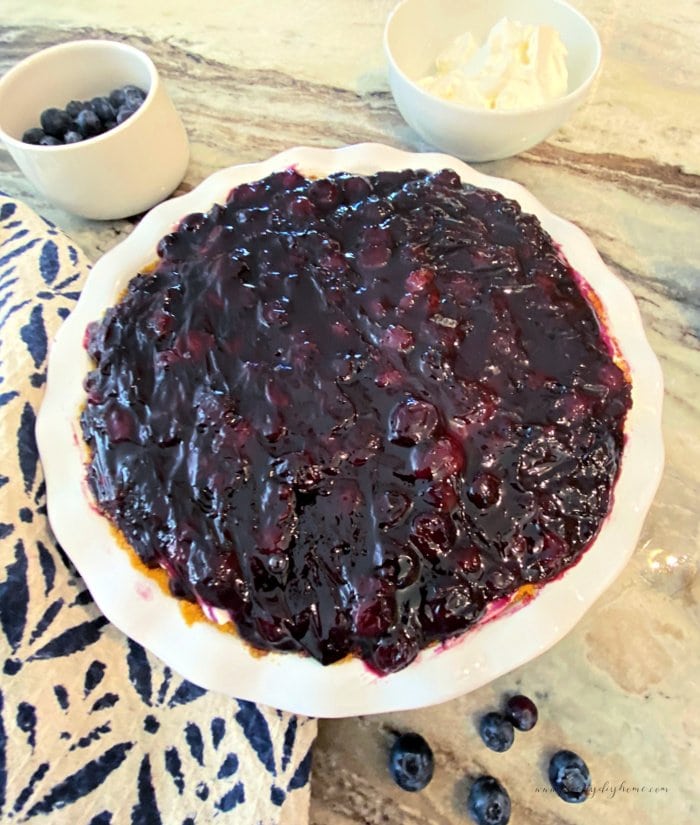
x=355, y=411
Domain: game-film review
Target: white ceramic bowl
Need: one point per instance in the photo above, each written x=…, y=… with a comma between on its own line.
x=221, y=661
x=122, y=172
x=418, y=30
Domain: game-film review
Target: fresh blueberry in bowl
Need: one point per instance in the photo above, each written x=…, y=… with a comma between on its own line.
x=411, y=762
x=496, y=732
x=55, y=122
x=67, y=87
x=569, y=776
x=33, y=136
x=133, y=96
x=102, y=108
x=88, y=124
x=488, y=802
x=81, y=120
x=73, y=107
x=124, y=112
x=521, y=712
x=116, y=98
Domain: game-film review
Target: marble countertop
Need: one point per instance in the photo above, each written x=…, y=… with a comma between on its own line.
x=250, y=79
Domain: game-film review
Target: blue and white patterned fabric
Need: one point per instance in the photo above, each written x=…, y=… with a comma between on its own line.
x=93, y=729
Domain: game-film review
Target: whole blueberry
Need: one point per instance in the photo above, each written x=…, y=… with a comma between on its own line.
x=71, y=136
x=33, y=136
x=88, y=124
x=55, y=122
x=569, y=776
x=521, y=712
x=496, y=731
x=73, y=107
x=102, y=108
x=124, y=113
x=133, y=96
x=116, y=98
x=50, y=140
x=488, y=802
x=411, y=762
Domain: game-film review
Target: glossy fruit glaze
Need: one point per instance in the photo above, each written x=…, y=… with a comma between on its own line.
x=354, y=411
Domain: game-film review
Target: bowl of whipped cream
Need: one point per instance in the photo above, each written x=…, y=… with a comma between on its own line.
x=485, y=81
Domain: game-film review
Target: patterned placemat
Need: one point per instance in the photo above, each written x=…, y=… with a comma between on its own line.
x=93, y=729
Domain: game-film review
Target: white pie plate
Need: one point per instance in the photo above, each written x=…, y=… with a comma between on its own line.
x=221, y=661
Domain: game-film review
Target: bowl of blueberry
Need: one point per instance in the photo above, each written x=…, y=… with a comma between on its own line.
x=91, y=125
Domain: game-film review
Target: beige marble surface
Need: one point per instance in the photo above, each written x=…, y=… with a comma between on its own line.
x=251, y=78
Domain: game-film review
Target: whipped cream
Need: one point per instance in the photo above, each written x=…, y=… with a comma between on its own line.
x=520, y=65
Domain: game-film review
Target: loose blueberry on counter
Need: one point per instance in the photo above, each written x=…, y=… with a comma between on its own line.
x=411, y=762
x=497, y=732
x=570, y=776
x=488, y=802
x=521, y=712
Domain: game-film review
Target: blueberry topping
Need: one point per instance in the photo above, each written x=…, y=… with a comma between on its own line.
x=102, y=108
x=569, y=776
x=33, y=136
x=88, y=123
x=496, y=731
x=49, y=140
x=488, y=802
x=411, y=762
x=521, y=712
x=55, y=122
x=333, y=410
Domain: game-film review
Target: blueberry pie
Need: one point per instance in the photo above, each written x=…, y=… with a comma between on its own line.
x=351, y=414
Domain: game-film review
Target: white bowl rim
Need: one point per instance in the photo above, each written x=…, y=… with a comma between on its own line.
x=9, y=76
x=501, y=114
x=291, y=681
